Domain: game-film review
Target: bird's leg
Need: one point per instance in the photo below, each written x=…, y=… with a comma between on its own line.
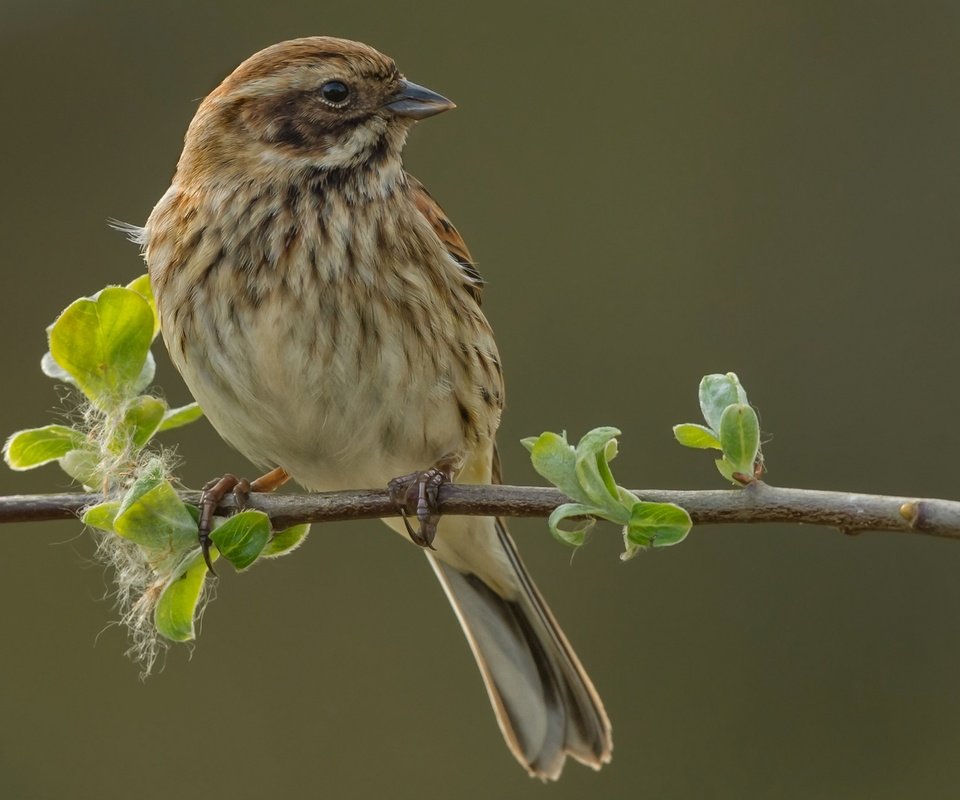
x=214, y=492
x=420, y=491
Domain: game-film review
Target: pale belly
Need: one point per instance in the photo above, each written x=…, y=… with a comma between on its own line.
x=334, y=410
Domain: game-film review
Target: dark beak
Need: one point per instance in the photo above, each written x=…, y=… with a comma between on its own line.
x=418, y=102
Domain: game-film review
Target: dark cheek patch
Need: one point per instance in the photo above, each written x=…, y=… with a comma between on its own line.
x=289, y=134
x=301, y=121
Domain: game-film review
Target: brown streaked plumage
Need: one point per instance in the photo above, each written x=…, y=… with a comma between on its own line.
x=325, y=313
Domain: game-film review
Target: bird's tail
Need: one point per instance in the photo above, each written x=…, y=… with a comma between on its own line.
x=545, y=703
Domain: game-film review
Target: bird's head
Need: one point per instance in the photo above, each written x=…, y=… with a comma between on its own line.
x=319, y=102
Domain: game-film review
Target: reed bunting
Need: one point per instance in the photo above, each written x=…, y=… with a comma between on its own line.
x=326, y=315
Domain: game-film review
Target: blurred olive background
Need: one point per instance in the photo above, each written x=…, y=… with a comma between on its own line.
x=653, y=191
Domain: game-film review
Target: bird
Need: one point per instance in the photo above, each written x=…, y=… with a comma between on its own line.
x=326, y=315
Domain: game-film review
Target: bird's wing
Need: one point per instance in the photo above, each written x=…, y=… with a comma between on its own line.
x=451, y=238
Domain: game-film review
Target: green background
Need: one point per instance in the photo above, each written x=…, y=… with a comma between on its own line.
x=653, y=191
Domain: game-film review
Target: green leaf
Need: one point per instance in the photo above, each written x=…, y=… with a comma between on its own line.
x=740, y=437
x=716, y=393
x=143, y=418
x=178, y=417
x=31, y=448
x=83, y=466
x=657, y=524
x=611, y=450
x=242, y=537
x=103, y=343
x=101, y=516
x=287, y=541
x=594, y=475
x=176, y=609
x=150, y=477
x=152, y=515
x=700, y=436
x=554, y=459
x=52, y=369
x=576, y=534
x=726, y=469
x=143, y=288
x=146, y=374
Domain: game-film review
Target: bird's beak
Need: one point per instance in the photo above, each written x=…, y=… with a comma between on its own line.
x=418, y=102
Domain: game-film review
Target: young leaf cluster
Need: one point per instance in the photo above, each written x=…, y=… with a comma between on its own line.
x=583, y=474
x=732, y=427
x=164, y=528
x=100, y=346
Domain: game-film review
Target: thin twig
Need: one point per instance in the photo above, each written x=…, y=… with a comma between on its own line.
x=757, y=502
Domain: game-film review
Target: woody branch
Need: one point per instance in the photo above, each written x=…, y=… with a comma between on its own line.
x=758, y=502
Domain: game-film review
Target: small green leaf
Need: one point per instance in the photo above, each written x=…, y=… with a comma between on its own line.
x=150, y=477
x=716, y=393
x=101, y=516
x=103, y=343
x=31, y=448
x=726, y=469
x=594, y=475
x=83, y=466
x=143, y=288
x=284, y=542
x=242, y=537
x=612, y=450
x=143, y=419
x=700, y=436
x=554, y=459
x=178, y=417
x=576, y=534
x=740, y=437
x=657, y=524
x=152, y=515
x=176, y=609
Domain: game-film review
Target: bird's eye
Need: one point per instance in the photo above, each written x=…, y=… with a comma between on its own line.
x=335, y=92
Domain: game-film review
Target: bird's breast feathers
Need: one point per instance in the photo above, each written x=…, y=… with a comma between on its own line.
x=402, y=363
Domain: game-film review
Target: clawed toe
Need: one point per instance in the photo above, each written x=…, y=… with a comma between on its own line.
x=212, y=496
x=421, y=492
x=210, y=499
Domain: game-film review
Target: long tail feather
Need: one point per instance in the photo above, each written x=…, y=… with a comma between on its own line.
x=545, y=703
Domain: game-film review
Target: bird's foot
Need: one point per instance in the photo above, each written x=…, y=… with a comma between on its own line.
x=419, y=493
x=212, y=496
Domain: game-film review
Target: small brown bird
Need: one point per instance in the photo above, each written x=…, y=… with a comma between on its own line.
x=326, y=315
